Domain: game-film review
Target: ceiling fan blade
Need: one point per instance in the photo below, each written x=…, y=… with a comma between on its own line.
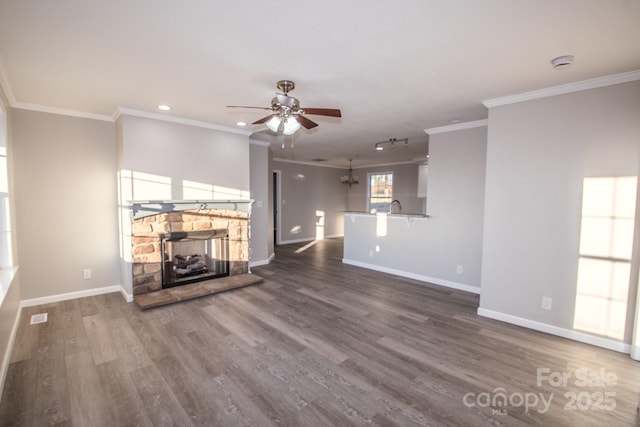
x=333, y=112
x=306, y=123
x=263, y=120
x=244, y=106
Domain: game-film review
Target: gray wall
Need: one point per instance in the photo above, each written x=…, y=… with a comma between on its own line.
x=455, y=204
x=181, y=152
x=261, y=229
x=431, y=249
x=538, y=154
x=405, y=187
x=270, y=214
x=307, y=189
x=65, y=194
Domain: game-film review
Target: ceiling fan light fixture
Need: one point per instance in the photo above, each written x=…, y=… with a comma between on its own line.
x=274, y=123
x=291, y=126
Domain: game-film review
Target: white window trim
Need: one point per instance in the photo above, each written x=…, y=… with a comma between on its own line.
x=393, y=184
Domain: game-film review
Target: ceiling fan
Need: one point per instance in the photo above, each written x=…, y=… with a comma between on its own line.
x=287, y=115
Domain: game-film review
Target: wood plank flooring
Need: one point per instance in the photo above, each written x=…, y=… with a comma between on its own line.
x=318, y=343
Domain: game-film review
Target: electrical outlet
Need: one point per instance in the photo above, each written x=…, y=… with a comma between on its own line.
x=459, y=269
x=86, y=274
x=546, y=303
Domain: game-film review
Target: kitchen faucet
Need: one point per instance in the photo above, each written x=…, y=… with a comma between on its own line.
x=392, y=204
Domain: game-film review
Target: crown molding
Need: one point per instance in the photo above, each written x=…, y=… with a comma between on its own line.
x=11, y=98
x=61, y=111
x=301, y=162
x=597, y=82
x=307, y=163
x=120, y=111
x=457, y=126
x=378, y=165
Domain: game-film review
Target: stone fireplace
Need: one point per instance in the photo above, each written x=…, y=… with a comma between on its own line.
x=186, y=246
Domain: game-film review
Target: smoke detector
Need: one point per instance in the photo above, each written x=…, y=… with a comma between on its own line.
x=562, y=61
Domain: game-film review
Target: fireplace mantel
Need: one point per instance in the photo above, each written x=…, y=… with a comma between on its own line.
x=142, y=208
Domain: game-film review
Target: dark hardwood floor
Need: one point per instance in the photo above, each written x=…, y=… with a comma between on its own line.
x=318, y=343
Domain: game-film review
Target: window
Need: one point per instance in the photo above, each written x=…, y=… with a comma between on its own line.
x=604, y=266
x=380, y=192
x=7, y=271
x=6, y=257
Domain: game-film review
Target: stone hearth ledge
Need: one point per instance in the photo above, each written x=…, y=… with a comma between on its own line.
x=194, y=290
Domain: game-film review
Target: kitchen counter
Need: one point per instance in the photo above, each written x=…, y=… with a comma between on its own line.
x=412, y=245
x=389, y=215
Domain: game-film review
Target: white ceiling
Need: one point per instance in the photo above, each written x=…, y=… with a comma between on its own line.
x=394, y=68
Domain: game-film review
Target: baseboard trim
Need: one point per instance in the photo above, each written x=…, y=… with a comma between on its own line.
x=260, y=262
x=308, y=239
x=7, y=354
x=73, y=295
x=420, y=277
x=127, y=296
x=555, y=330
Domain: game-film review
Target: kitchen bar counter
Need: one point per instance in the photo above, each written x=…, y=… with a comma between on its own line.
x=391, y=215
x=411, y=245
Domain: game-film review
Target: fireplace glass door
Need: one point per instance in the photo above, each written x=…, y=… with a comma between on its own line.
x=193, y=256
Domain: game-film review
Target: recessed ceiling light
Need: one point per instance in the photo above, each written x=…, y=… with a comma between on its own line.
x=164, y=107
x=241, y=123
x=562, y=61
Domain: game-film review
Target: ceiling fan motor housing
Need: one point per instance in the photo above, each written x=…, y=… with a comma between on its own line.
x=286, y=86
x=285, y=103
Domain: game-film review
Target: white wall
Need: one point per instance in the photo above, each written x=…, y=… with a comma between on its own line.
x=65, y=194
x=538, y=154
x=405, y=187
x=308, y=191
x=431, y=249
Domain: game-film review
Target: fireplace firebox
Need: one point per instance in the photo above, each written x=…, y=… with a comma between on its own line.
x=193, y=256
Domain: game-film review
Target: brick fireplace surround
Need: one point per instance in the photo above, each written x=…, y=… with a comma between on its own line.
x=147, y=255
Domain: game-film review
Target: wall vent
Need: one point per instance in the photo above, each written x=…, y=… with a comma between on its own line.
x=39, y=318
